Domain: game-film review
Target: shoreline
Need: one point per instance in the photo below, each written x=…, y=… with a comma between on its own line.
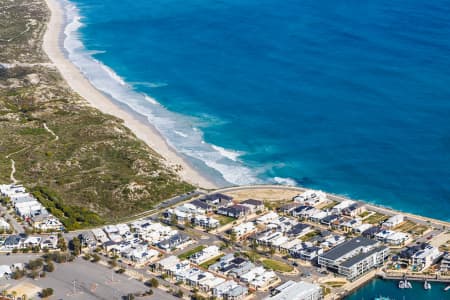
x=142, y=129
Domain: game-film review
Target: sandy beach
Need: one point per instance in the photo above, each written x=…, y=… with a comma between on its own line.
x=83, y=87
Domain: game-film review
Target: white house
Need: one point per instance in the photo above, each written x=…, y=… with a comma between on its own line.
x=258, y=277
x=205, y=254
x=392, y=237
x=243, y=229
x=100, y=235
x=394, y=221
x=311, y=197
x=425, y=258
x=4, y=225
x=337, y=209
x=47, y=223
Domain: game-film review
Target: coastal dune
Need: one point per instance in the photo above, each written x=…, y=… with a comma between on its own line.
x=75, y=79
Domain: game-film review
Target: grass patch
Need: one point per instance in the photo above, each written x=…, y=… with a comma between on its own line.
x=365, y=214
x=187, y=254
x=335, y=284
x=207, y=263
x=376, y=218
x=405, y=226
x=330, y=205
x=325, y=290
x=276, y=265
x=309, y=235
x=419, y=229
x=224, y=220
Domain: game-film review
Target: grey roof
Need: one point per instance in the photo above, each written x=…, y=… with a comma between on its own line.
x=237, y=291
x=201, y=204
x=360, y=257
x=252, y=202
x=217, y=196
x=298, y=228
x=347, y=247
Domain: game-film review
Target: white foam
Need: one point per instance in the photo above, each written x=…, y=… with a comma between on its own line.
x=181, y=132
x=151, y=100
x=152, y=85
x=94, y=52
x=230, y=154
x=112, y=74
x=285, y=181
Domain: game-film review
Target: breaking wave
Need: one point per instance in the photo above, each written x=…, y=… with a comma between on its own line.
x=181, y=132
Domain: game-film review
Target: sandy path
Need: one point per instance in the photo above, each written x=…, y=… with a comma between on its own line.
x=51, y=132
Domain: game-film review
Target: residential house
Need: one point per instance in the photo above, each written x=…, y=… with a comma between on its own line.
x=13, y=242
x=202, y=206
x=392, y=237
x=354, y=210
x=49, y=242
x=230, y=290
x=235, y=211
x=445, y=263
x=254, y=205
x=289, y=207
x=47, y=223
x=243, y=229
x=174, y=242
x=311, y=197
x=328, y=220
x=217, y=200
x=394, y=221
x=371, y=232
x=205, y=221
x=267, y=218
x=100, y=235
x=4, y=226
x=425, y=258
x=338, y=209
x=299, y=230
x=205, y=254
x=259, y=277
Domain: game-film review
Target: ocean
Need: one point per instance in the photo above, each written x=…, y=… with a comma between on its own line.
x=350, y=97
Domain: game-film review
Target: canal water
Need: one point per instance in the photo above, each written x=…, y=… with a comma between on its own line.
x=388, y=288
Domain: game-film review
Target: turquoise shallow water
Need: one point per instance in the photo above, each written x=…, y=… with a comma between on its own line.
x=351, y=97
x=388, y=288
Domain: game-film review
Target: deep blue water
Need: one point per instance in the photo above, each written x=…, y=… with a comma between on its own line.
x=388, y=288
x=352, y=97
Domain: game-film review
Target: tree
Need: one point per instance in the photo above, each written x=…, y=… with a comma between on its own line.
x=272, y=251
x=112, y=263
x=46, y=292
x=50, y=267
x=34, y=274
x=95, y=257
x=35, y=264
x=173, y=219
x=154, y=283
x=128, y=297
x=179, y=294
x=75, y=246
x=233, y=236
x=62, y=245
